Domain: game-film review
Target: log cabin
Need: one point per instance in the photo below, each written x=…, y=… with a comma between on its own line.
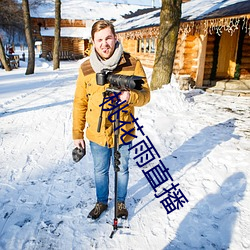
x=77, y=19
x=74, y=37
x=213, y=41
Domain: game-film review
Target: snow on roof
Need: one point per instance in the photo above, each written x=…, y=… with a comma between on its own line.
x=197, y=9
x=192, y=10
x=79, y=32
x=145, y=20
x=85, y=10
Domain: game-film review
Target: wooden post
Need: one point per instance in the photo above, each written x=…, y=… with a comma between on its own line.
x=201, y=60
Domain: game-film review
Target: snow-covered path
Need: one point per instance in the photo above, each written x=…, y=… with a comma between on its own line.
x=44, y=197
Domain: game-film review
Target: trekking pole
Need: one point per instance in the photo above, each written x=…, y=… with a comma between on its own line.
x=117, y=156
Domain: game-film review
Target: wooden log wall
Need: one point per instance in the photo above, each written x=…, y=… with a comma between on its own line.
x=190, y=56
x=47, y=45
x=66, y=44
x=79, y=46
x=185, y=59
x=209, y=57
x=131, y=46
x=178, y=61
x=73, y=45
x=186, y=55
x=146, y=59
x=50, y=22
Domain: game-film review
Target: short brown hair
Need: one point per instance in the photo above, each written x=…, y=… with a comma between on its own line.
x=101, y=24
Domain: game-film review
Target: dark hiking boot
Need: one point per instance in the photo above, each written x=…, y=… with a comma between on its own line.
x=97, y=210
x=122, y=211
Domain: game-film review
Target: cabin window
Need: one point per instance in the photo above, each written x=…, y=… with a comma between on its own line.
x=146, y=45
x=152, y=45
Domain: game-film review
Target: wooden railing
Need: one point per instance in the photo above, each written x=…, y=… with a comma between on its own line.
x=64, y=55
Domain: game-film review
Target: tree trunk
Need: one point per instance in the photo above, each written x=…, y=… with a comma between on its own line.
x=28, y=33
x=56, y=59
x=168, y=34
x=3, y=57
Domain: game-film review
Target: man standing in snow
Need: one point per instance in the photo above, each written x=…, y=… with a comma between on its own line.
x=107, y=54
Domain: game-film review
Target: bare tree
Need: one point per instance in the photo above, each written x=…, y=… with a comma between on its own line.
x=3, y=57
x=28, y=33
x=11, y=17
x=56, y=59
x=11, y=24
x=168, y=34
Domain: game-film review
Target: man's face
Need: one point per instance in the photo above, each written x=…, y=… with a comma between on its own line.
x=104, y=42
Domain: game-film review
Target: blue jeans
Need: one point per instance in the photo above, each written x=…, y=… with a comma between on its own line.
x=102, y=158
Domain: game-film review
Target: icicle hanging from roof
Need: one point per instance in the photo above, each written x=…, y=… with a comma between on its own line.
x=218, y=25
x=246, y=25
x=229, y=24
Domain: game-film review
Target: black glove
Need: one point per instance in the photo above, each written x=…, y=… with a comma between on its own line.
x=78, y=153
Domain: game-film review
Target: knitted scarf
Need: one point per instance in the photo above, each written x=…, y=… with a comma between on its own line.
x=98, y=64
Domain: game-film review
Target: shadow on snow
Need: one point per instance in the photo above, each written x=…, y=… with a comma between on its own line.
x=209, y=225
x=23, y=110
x=190, y=153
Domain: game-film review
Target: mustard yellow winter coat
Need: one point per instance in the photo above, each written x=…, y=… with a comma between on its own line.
x=89, y=95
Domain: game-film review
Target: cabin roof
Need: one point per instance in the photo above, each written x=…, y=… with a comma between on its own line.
x=193, y=10
x=77, y=32
x=140, y=21
x=85, y=10
x=208, y=9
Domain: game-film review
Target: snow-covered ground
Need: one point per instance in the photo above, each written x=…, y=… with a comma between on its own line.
x=45, y=197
